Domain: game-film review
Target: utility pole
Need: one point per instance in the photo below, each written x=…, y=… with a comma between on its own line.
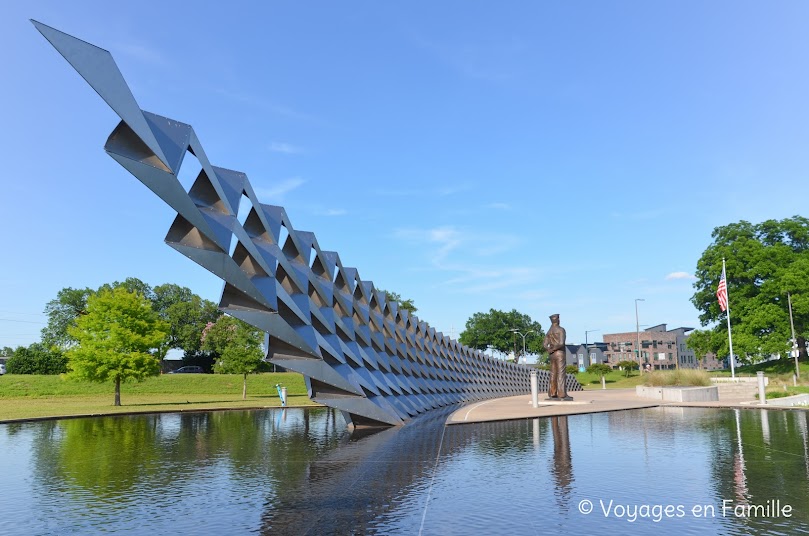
x=637, y=331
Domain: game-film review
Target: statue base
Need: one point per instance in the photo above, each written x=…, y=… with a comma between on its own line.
x=562, y=399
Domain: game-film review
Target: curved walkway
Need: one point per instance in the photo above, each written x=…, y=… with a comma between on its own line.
x=589, y=401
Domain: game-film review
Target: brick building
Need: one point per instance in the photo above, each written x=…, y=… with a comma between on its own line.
x=661, y=348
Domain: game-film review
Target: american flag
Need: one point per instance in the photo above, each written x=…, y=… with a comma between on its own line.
x=722, y=292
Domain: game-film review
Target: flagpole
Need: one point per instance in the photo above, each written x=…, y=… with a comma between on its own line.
x=730, y=337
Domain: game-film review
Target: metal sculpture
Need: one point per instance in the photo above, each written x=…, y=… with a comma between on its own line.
x=358, y=352
x=555, y=346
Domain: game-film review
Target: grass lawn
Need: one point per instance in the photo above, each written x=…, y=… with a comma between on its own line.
x=779, y=374
x=31, y=396
x=614, y=380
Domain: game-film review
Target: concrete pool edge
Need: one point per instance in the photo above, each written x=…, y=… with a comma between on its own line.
x=589, y=401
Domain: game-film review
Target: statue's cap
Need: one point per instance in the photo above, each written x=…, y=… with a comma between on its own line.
x=554, y=316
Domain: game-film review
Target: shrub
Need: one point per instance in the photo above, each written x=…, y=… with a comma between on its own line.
x=571, y=369
x=680, y=377
x=599, y=369
x=36, y=359
x=628, y=366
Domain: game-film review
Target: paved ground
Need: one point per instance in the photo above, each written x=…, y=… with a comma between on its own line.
x=591, y=401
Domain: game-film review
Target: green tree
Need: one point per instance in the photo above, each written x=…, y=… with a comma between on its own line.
x=132, y=284
x=403, y=304
x=702, y=341
x=238, y=346
x=764, y=263
x=627, y=366
x=36, y=359
x=599, y=369
x=70, y=303
x=186, y=314
x=114, y=338
x=495, y=328
x=62, y=312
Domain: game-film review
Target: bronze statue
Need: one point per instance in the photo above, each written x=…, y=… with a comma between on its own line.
x=555, y=345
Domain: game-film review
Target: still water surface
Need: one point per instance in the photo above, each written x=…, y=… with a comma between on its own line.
x=300, y=472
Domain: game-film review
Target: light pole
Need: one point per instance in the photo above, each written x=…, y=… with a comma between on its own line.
x=586, y=346
x=637, y=330
x=523, y=339
x=795, y=352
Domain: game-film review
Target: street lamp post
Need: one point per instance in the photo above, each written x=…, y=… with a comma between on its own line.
x=586, y=344
x=795, y=352
x=637, y=330
x=523, y=339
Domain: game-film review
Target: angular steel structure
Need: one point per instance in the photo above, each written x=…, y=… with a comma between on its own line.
x=359, y=352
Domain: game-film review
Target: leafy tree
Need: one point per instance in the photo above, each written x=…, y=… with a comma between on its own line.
x=599, y=369
x=36, y=359
x=494, y=328
x=114, y=338
x=764, y=263
x=403, y=304
x=703, y=341
x=132, y=284
x=69, y=304
x=7, y=351
x=238, y=346
x=627, y=366
x=186, y=315
x=185, y=312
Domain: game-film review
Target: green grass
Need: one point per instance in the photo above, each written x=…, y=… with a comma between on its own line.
x=614, y=380
x=789, y=391
x=780, y=367
x=779, y=374
x=32, y=396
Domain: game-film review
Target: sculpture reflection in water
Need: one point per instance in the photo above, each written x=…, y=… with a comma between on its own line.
x=561, y=464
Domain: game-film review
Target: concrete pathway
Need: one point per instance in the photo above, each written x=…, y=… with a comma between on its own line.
x=589, y=401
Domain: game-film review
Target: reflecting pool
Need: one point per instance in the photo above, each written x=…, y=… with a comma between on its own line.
x=295, y=471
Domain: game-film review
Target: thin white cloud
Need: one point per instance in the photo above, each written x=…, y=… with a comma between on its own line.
x=335, y=212
x=499, y=206
x=267, y=105
x=491, y=62
x=673, y=276
x=277, y=191
x=285, y=148
x=459, y=253
x=439, y=191
x=142, y=53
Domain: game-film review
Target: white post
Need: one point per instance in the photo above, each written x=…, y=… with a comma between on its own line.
x=603, y=383
x=762, y=397
x=730, y=337
x=534, y=389
x=795, y=352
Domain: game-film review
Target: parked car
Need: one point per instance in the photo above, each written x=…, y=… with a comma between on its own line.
x=188, y=370
x=2, y=369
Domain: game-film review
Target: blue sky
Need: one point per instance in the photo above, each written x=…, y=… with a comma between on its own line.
x=552, y=157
